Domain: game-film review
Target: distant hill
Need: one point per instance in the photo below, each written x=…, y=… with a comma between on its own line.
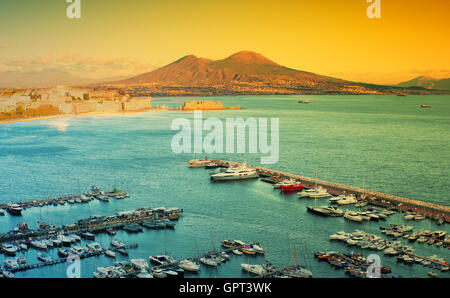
x=428, y=83
x=244, y=72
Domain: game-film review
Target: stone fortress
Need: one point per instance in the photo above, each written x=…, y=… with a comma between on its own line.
x=67, y=100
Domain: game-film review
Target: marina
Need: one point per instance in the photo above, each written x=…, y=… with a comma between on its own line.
x=428, y=210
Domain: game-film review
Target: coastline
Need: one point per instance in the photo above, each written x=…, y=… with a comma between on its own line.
x=70, y=115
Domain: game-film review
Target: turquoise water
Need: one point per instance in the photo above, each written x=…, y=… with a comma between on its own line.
x=387, y=141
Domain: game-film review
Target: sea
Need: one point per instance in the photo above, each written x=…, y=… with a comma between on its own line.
x=383, y=143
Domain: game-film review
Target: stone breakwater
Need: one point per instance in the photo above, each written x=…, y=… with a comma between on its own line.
x=205, y=105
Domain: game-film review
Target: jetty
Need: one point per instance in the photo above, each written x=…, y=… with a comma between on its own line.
x=376, y=198
x=116, y=193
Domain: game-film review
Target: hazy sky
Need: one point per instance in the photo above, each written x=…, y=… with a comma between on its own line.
x=330, y=37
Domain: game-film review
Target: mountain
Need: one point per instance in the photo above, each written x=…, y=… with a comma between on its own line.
x=243, y=66
x=427, y=82
x=244, y=72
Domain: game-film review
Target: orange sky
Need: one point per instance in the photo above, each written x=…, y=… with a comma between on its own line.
x=330, y=37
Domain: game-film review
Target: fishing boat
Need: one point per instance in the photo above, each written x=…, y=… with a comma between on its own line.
x=254, y=269
x=189, y=266
x=239, y=173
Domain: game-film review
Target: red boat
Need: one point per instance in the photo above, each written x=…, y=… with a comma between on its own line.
x=291, y=187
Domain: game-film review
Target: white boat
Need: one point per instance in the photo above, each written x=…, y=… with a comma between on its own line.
x=144, y=274
x=189, y=266
x=208, y=261
x=95, y=246
x=237, y=252
x=14, y=209
x=315, y=193
x=141, y=264
x=77, y=250
x=348, y=200
x=239, y=173
x=320, y=193
x=336, y=199
x=110, y=253
x=390, y=251
x=353, y=216
x=117, y=243
x=39, y=244
x=11, y=264
x=23, y=246
x=22, y=261
x=338, y=237
x=84, y=199
x=9, y=249
x=254, y=269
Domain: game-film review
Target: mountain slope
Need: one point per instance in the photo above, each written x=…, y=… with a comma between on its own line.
x=243, y=73
x=243, y=66
x=427, y=82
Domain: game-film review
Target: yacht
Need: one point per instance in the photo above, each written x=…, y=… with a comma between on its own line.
x=161, y=260
x=320, y=193
x=63, y=253
x=315, y=193
x=189, y=266
x=11, y=264
x=39, y=244
x=254, y=269
x=336, y=199
x=140, y=264
x=318, y=210
x=348, y=200
x=14, y=209
x=110, y=253
x=117, y=243
x=208, y=261
x=9, y=249
x=238, y=173
x=353, y=216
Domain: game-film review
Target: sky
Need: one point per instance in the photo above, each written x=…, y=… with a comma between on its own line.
x=127, y=37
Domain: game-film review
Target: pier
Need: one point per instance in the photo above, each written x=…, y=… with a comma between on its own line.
x=429, y=210
x=116, y=193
